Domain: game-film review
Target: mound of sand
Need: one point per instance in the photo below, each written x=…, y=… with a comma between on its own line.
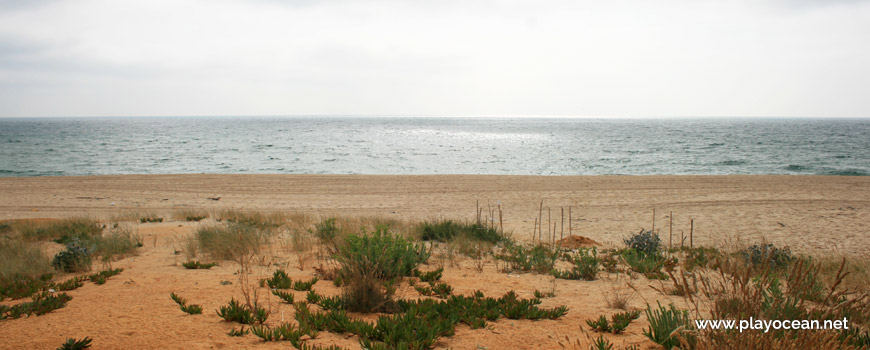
x=574, y=242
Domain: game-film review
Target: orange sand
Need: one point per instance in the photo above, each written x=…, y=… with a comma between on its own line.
x=133, y=310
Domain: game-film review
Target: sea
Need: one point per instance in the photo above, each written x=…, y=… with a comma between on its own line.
x=433, y=145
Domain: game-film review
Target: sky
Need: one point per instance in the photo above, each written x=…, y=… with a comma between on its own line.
x=802, y=58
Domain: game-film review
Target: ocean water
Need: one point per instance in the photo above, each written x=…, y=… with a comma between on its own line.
x=395, y=145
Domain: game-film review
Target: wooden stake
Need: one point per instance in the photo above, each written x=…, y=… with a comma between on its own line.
x=562, y=229
x=477, y=211
x=654, y=222
x=548, y=225
x=569, y=220
x=500, y=223
x=535, y=231
x=540, y=221
x=670, y=230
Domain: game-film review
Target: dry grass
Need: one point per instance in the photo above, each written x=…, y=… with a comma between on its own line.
x=22, y=259
x=56, y=229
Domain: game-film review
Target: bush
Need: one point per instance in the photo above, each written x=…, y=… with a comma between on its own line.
x=385, y=255
x=767, y=254
x=539, y=259
x=446, y=230
x=586, y=266
x=650, y=265
x=76, y=257
x=430, y=276
x=662, y=324
x=645, y=242
x=326, y=230
x=148, y=219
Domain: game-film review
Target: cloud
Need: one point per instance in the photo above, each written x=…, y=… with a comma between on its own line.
x=100, y=57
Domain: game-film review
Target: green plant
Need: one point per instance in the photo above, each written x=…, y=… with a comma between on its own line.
x=70, y=284
x=767, y=254
x=42, y=303
x=102, y=276
x=238, y=333
x=446, y=230
x=182, y=303
x=73, y=344
x=601, y=343
x=287, y=297
x=586, y=265
x=194, y=265
x=304, y=286
x=150, y=219
x=326, y=230
x=645, y=242
x=539, y=259
x=244, y=314
x=442, y=290
x=76, y=257
x=664, y=324
x=195, y=217
x=279, y=280
x=388, y=256
x=285, y=331
x=650, y=265
x=599, y=325
x=430, y=276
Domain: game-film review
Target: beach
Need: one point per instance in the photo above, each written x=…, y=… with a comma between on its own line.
x=806, y=213
x=821, y=215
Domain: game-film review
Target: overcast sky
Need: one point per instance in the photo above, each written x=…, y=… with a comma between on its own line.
x=439, y=57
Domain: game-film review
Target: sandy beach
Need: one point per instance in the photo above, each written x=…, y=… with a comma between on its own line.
x=807, y=213
x=810, y=214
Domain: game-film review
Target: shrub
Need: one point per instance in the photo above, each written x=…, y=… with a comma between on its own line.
x=586, y=266
x=446, y=230
x=662, y=324
x=767, y=254
x=73, y=344
x=541, y=295
x=599, y=325
x=385, y=255
x=539, y=259
x=196, y=218
x=650, y=265
x=244, y=314
x=645, y=242
x=326, y=230
x=196, y=265
x=76, y=257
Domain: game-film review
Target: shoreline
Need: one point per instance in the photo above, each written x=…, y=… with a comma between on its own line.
x=809, y=213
